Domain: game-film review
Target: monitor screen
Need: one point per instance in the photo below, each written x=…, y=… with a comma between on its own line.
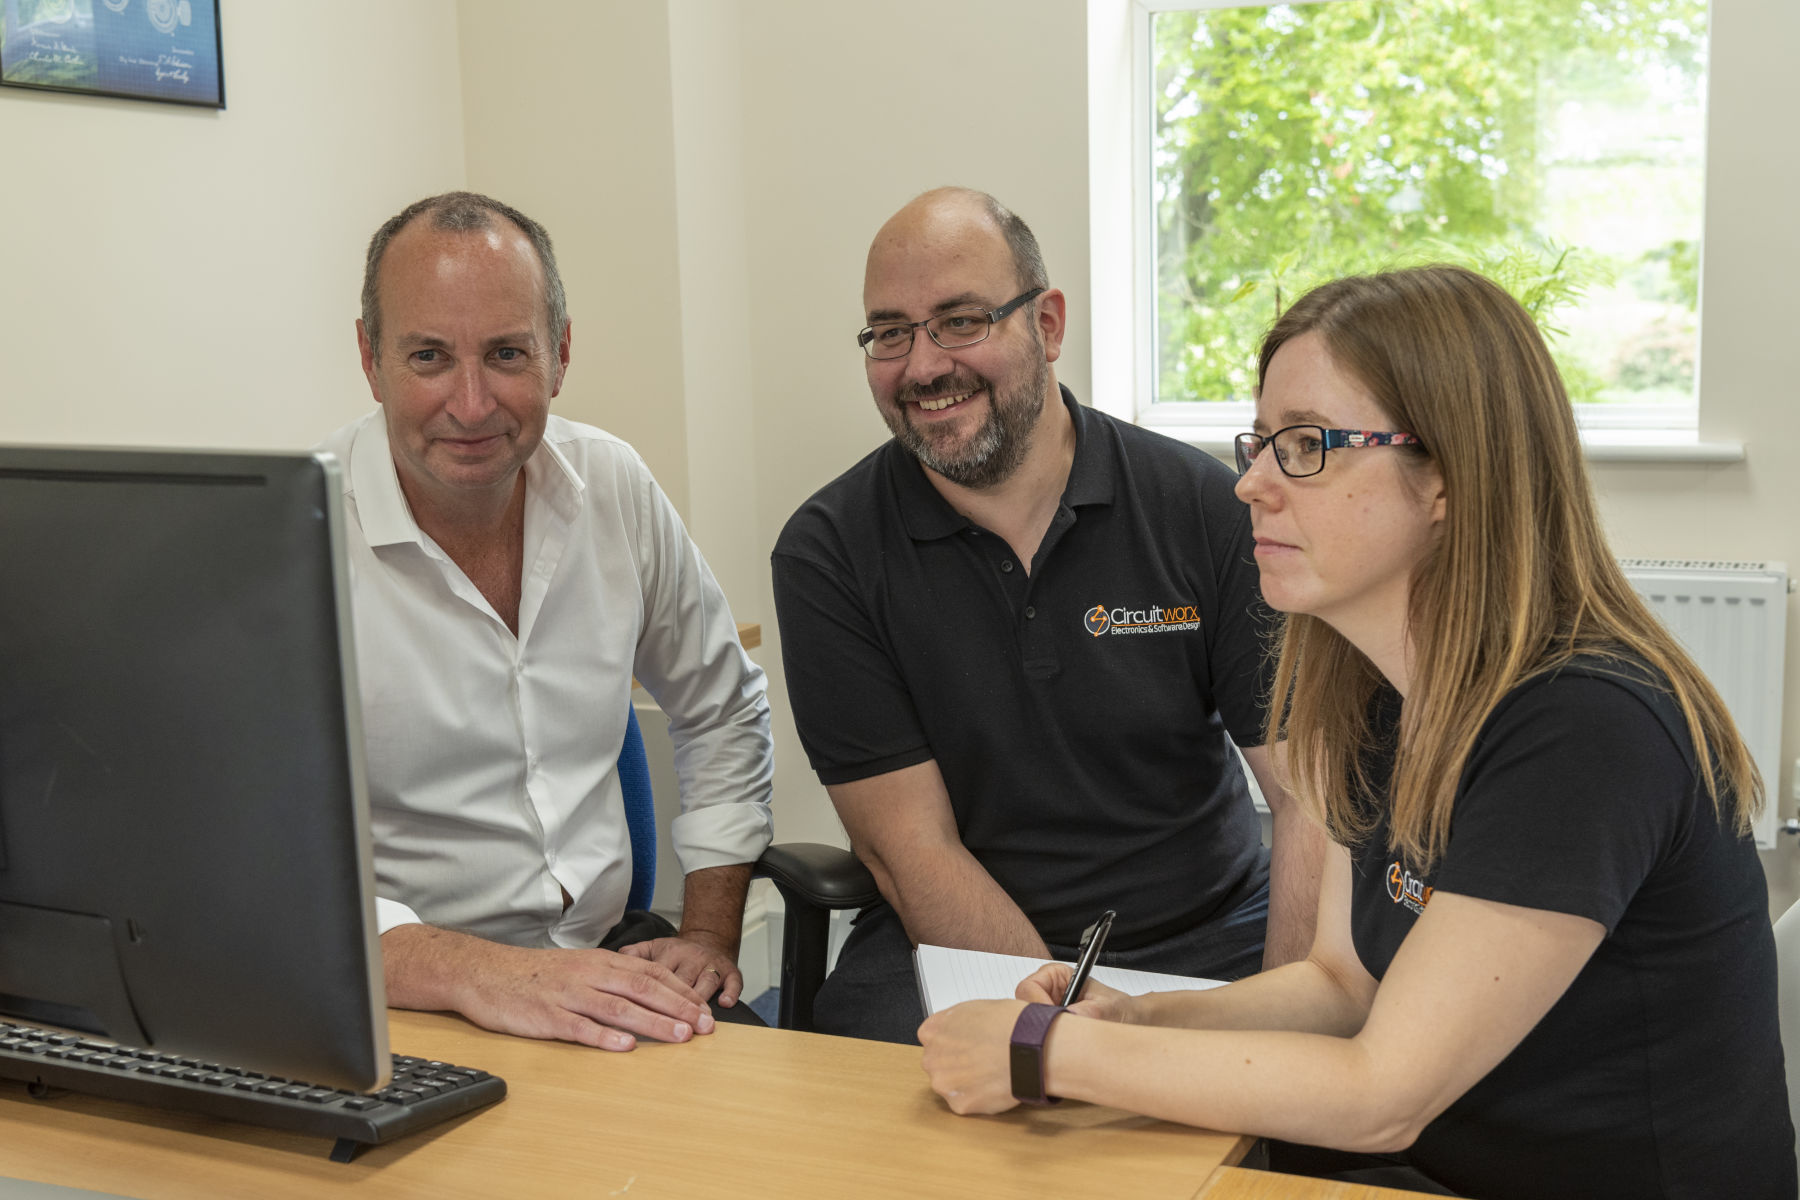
x=184, y=837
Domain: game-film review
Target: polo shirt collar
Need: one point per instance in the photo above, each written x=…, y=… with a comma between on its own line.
x=381, y=506
x=928, y=516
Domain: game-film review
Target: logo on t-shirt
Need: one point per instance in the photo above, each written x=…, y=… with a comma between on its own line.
x=1406, y=888
x=1156, y=618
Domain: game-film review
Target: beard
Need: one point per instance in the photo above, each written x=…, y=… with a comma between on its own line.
x=991, y=454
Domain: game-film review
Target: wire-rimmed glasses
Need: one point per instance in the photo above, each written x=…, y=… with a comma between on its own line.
x=952, y=330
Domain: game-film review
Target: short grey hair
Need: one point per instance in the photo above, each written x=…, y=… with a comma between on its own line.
x=461, y=212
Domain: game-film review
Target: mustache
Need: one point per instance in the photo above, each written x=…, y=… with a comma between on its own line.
x=954, y=384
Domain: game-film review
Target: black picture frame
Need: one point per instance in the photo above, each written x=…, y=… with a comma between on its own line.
x=168, y=51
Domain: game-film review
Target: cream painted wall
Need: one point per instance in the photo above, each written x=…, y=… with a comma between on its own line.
x=706, y=82
x=178, y=276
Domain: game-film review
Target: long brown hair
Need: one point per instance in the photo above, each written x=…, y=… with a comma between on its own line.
x=1519, y=580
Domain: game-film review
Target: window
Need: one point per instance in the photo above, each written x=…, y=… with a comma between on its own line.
x=1556, y=145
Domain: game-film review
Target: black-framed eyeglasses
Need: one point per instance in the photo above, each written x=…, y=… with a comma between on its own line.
x=952, y=330
x=1300, y=449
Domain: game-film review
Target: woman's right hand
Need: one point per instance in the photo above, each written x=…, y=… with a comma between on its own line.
x=1047, y=984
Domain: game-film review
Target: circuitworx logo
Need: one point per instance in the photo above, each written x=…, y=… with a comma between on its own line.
x=1403, y=887
x=1155, y=618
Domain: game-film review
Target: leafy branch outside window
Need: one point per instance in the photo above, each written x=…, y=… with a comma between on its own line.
x=1296, y=143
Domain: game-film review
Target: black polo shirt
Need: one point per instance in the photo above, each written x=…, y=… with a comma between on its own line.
x=1078, y=712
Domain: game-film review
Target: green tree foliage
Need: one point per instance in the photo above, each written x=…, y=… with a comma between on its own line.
x=1297, y=143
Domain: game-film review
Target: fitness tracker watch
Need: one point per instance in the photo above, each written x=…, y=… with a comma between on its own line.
x=1028, y=1035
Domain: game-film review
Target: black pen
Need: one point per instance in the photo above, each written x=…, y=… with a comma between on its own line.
x=1092, y=939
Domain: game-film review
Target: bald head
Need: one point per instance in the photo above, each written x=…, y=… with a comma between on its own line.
x=962, y=222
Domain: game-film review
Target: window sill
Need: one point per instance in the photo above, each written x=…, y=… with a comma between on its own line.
x=1602, y=445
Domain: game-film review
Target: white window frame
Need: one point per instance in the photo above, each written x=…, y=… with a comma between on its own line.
x=1123, y=268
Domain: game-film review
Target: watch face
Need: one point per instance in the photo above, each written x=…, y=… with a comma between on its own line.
x=1027, y=1073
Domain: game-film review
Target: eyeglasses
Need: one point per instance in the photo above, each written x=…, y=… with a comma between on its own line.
x=952, y=330
x=1300, y=449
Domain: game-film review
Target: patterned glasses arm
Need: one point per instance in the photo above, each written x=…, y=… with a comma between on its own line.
x=1338, y=438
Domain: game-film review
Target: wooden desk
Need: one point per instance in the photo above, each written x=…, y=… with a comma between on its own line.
x=742, y=1112
x=1235, y=1183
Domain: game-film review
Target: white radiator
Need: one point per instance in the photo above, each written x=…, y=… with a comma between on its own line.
x=1732, y=618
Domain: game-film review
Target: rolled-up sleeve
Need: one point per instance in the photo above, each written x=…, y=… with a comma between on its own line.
x=391, y=914
x=690, y=660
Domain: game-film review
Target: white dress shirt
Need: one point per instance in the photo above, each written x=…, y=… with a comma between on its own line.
x=492, y=759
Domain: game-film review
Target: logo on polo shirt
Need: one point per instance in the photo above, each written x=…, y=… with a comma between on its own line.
x=1403, y=887
x=1152, y=618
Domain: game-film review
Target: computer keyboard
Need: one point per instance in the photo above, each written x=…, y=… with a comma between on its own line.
x=422, y=1092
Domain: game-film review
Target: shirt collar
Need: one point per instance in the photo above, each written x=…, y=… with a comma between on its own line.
x=381, y=506
x=928, y=516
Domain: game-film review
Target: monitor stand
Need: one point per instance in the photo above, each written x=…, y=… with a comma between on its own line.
x=76, y=954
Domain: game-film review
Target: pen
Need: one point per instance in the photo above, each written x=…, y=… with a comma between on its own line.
x=1092, y=939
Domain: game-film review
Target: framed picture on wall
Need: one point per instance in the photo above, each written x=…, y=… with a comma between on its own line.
x=166, y=50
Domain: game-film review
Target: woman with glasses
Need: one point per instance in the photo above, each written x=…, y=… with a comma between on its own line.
x=1543, y=965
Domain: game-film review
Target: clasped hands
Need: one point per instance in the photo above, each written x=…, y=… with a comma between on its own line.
x=968, y=1046
x=656, y=989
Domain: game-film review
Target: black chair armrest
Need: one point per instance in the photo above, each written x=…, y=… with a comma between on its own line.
x=822, y=876
x=813, y=879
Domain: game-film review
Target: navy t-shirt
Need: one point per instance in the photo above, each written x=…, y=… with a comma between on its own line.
x=1659, y=1072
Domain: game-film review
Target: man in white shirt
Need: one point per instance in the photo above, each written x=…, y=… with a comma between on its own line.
x=511, y=571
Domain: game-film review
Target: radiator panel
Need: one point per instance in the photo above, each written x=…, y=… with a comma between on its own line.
x=1732, y=618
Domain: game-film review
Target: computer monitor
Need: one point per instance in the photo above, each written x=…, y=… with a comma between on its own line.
x=184, y=838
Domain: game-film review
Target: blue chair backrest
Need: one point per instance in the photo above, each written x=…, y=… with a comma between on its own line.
x=640, y=813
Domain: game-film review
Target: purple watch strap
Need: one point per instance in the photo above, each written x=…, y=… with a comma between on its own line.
x=1028, y=1035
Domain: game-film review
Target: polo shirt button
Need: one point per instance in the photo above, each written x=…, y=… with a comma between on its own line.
x=1006, y=565
x=1030, y=612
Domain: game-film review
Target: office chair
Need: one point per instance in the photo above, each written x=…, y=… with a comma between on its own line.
x=813, y=880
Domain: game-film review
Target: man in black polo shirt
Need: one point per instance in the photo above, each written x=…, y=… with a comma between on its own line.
x=1016, y=637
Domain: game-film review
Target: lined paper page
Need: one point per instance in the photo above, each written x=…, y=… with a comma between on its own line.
x=949, y=977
